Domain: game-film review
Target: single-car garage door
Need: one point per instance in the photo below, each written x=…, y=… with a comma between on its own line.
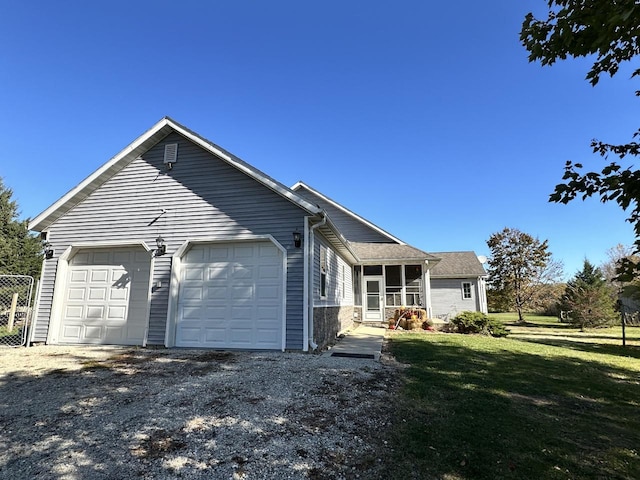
x=106, y=297
x=231, y=296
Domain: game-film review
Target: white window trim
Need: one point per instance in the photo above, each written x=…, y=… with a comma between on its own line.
x=470, y=297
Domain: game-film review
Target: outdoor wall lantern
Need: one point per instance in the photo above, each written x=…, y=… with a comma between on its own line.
x=48, y=250
x=297, y=240
x=162, y=248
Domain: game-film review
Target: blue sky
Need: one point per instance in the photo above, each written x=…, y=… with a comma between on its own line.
x=424, y=117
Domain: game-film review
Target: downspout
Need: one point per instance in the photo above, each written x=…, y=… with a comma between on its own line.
x=310, y=259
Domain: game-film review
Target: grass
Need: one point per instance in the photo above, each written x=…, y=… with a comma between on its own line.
x=5, y=332
x=547, y=402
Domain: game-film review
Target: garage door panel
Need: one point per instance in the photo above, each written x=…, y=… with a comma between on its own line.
x=268, y=292
x=240, y=280
x=194, y=273
x=76, y=293
x=267, y=335
x=239, y=314
x=244, y=252
x=74, y=312
x=196, y=255
x=243, y=272
x=72, y=331
x=266, y=313
x=218, y=254
x=242, y=293
x=193, y=292
x=117, y=294
x=191, y=312
x=116, y=313
x=218, y=273
x=97, y=293
x=78, y=276
x=268, y=272
x=241, y=337
x=99, y=276
x=123, y=257
x=93, y=332
x=214, y=337
x=217, y=293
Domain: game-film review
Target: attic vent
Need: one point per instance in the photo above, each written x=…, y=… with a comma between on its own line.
x=171, y=153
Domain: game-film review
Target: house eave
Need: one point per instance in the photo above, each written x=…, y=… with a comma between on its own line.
x=335, y=204
x=331, y=233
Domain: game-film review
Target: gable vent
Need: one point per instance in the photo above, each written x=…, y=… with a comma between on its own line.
x=171, y=153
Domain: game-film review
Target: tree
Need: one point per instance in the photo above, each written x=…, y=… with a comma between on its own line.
x=20, y=252
x=614, y=256
x=610, y=31
x=519, y=265
x=589, y=298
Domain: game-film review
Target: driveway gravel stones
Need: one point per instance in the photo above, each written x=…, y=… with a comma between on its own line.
x=71, y=413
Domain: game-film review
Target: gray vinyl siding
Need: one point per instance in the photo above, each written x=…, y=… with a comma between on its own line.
x=352, y=229
x=334, y=277
x=204, y=197
x=446, y=296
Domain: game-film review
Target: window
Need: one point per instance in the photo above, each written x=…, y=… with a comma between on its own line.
x=466, y=290
x=373, y=269
x=413, y=281
x=323, y=272
x=393, y=286
x=343, y=281
x=357, y=285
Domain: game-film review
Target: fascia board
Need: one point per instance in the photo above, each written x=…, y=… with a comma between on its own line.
x=79, y=192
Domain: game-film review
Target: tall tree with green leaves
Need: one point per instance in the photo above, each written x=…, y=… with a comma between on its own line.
x=518, y=266
x=609, y=31
x=589, y=298
x=20, y=252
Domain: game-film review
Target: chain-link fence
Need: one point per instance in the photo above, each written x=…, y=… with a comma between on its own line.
x=15, y=309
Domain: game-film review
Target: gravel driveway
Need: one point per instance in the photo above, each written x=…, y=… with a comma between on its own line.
x=132, y=413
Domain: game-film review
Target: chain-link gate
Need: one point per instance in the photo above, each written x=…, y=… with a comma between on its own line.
x=15, y=309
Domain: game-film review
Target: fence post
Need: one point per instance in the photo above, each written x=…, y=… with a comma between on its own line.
x=12, y=312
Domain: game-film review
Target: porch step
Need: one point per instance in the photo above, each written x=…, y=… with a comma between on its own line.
x=373, y=324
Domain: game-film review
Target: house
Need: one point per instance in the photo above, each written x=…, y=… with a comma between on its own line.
x=458, y=283
x=177, y=242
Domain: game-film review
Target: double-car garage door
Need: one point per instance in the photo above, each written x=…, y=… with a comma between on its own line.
x=230, y=295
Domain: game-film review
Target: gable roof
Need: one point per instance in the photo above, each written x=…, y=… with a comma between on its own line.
x=390, y=252
x=140, y=145
x=328, y=204
x=457, y=265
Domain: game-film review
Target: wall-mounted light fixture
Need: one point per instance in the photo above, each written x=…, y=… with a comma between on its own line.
x=162, y=248
x=48, y=250
x=297, y=240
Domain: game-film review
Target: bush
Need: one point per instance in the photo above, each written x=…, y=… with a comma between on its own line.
x=478, y=322
x=496, y=328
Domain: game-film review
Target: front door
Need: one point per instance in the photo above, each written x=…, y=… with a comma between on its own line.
x=373, y=299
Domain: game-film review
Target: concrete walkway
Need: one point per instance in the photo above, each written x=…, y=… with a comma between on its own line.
x=363, y=342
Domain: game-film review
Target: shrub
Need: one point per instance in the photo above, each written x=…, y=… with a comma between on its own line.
x=478, y=322
x=496, y=328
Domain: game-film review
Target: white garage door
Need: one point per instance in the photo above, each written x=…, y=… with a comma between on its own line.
x=106, y=297
x=231, y=296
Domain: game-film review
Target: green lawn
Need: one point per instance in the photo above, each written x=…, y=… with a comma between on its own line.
x=547, y=402
x=5, y=332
